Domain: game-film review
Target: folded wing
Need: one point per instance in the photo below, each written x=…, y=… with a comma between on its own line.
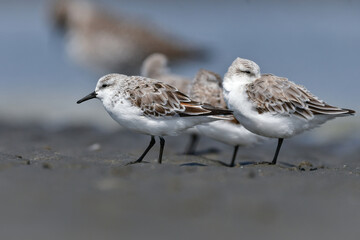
x=278, y=95
x=158, y=99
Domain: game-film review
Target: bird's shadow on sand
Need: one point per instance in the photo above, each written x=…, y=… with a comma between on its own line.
x=303, y=166
x=217, y=162
x=206, y=161
x=203, y=152
x=193, y=164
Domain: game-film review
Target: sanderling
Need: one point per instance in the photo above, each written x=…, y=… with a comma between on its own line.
x=207, y=88
x=273, y=106
x=156, y=66
x=151, y=107
x=104, y=42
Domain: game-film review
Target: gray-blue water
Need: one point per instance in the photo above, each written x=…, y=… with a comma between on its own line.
x=314, y=43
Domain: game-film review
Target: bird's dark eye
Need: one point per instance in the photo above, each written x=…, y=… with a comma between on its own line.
x=104, y=85
x=248, y=72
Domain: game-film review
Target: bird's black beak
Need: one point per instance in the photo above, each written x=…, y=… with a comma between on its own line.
x=88, y=97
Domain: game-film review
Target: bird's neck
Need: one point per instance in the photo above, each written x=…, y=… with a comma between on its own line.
x=234, y=82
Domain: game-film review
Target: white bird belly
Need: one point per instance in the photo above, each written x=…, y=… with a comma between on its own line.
x=132, y=118
x=229, y=133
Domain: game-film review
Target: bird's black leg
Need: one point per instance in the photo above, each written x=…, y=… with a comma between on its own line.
x=280, y=141
x=232, y=164
x=151, y=144
x=162, y=144
x=194, y=140
x=273, y=162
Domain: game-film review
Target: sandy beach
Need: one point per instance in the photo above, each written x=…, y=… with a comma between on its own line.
x=62, y=165
x=71, y=183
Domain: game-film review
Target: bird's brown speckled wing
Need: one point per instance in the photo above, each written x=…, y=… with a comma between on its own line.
x=157, y=99
x=202, y=91
x=277, y=95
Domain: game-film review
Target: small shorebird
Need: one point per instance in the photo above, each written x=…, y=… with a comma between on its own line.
x=273, y=106
x=207, y=88
x=102, y=41
x=155, y=66
x=151, y=107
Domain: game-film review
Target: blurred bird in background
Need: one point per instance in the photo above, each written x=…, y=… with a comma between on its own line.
x=156, y=66
x=207, y=88
x=107, y=43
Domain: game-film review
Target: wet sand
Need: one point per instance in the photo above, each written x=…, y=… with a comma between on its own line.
x=72, y=184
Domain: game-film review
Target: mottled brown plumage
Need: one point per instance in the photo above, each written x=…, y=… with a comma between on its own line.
x=207, y=88
x=278, y=95
x=156, y=99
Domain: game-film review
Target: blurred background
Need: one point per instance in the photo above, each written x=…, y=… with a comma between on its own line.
x=315, y=44
x=62, y=173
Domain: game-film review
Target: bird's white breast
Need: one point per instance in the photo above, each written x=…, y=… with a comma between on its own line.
x=229, y=133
